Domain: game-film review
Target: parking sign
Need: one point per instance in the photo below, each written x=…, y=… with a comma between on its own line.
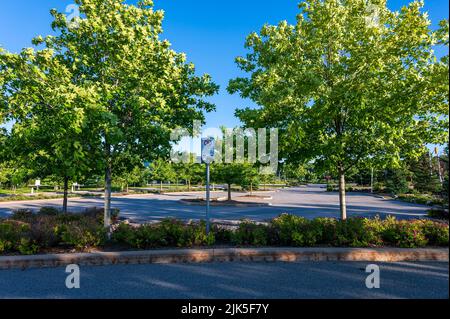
x=208, y=144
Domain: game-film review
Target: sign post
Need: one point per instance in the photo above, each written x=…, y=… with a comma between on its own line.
x=208, y=144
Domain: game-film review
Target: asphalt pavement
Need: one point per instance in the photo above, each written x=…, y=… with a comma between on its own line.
x=311, y=201
x=305, y=280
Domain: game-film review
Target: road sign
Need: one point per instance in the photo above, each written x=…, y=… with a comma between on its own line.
x=208, y=149
x=208, y=145
x=37, y=183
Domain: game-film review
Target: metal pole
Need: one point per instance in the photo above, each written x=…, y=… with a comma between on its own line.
x=371, y=180
x=207, y=198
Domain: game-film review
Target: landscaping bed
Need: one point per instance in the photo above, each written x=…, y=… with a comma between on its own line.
x=49, y=231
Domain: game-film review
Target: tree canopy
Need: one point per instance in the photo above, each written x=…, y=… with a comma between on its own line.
x=138, y=87
x=350, y=84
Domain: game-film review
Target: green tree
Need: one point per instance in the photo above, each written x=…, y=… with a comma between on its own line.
x=295, y=171
x=50, y=115
x=143, y=88
x=424, y=175
x=230, y=173
x=162, y=171
x=251, y=177
x=352, y=84
x=397, y=181
x=190, y=171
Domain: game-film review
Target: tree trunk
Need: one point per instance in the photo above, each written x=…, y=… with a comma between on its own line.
x=189, y=185
x=251, y=189
x=342, y=203
x=66, y=193
x=107, y=214
x=229, y=191
x=160, y=187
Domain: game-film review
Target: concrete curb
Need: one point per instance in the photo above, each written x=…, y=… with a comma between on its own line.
x=225, y=255
x=224, y=204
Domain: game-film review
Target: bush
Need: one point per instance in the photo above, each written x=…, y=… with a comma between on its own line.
x=195, y=235
x=15, y=236
x=298, y=231
x=27, y=246
x=170, y=232
x=436, y=233
x=43, y=231
x=326, y=228
x=24, y=215
x=249, y=233
x=424, y=199
x=28, y=233
x=222, y=235
x=358, y=232
x=406, y=234
x=82, y=234
x=49, y=211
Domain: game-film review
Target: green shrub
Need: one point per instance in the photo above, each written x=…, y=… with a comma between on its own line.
x=43, y=230
x=351, y=232
x=436, y=233
x=330, y=188
x=124, y=234
x=249, y=233
x=287, y=229
x=298, y=231
x=82, y=234
x=13, y=235
x=172, y=230
x=148, y=236
x=169, y=232
x=326, y=227
x=195, y=235
x=406, y=234
x=24, y=215
x=27, y=247
x=222, y=235
x=423, y=199
x=49, y=211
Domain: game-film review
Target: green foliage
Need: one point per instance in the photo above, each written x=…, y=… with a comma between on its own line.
x=167, y=233
x=425, y=178
x=424, y=199
x=358, y=232
x=27, y=247
x=162, y=170
x=29, y=234
x=250, y=234
x=344, y=102
x=109, y=88
x=397, y=182
x=406, y=234
x=82, y=235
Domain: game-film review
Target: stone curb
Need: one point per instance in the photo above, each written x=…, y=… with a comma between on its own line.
x=225, y=255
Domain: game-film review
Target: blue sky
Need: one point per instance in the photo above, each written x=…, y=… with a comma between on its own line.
x=211, y=32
